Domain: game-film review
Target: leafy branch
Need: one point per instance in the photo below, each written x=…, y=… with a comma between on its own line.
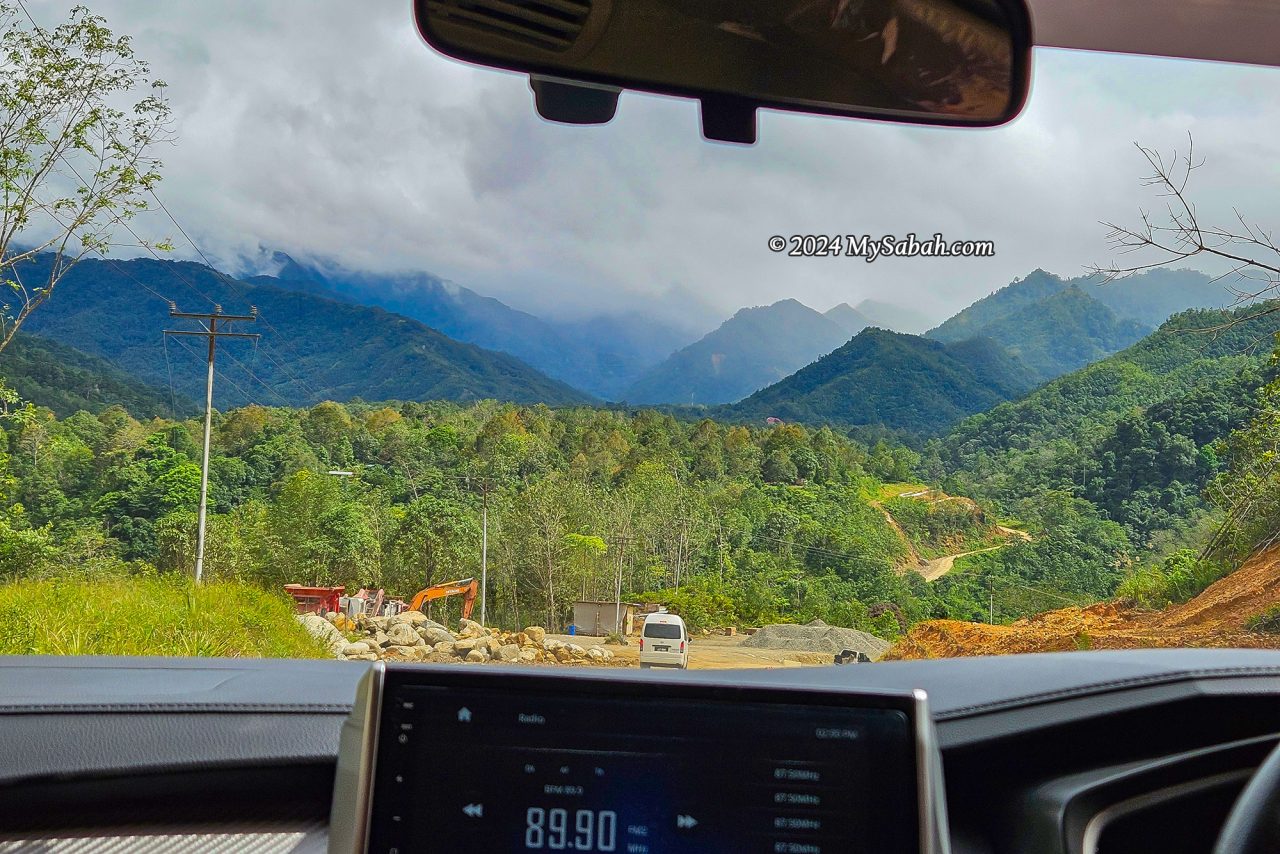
x=73, y=166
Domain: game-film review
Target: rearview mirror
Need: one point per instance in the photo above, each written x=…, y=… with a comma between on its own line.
x=950, y=62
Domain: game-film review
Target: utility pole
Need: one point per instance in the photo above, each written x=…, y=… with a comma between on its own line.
x=484, y=548
x=209, y=329
x=991, y=601
x=620, y=541
x=484, y=544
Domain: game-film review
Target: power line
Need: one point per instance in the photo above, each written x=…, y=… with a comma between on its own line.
x=212, y=333
x=123, y=271
x=168, y=366
x=222, y=375
x=74, y=171
x=231, y=283
x=176, y=270
x=258, y=379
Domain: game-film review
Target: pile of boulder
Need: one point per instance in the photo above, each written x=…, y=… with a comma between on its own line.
x=410, y=636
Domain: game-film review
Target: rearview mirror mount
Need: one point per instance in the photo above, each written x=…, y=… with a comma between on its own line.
x=942, y=62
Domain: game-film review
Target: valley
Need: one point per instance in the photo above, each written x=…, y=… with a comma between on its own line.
x=1042, y=447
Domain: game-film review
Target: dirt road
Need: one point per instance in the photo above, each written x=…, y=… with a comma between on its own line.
x=716, y=653
x=934, y=569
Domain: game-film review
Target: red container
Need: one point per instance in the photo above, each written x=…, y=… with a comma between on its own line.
x=314, y=600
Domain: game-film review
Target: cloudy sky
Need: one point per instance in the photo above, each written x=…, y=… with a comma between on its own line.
x=328, y=130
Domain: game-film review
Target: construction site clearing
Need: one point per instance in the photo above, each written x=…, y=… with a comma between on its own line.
x=411, y=636
x=1217, y=617
x=369, y=626
x=1220, y=616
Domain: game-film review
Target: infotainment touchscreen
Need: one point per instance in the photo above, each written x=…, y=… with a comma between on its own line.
x=476, y=763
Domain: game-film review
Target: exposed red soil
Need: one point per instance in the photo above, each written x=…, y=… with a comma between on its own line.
x=1215, y=618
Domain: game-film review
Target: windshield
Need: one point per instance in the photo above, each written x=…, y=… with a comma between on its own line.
x=319, y=344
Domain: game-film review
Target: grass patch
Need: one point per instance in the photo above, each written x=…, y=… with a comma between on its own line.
x=938, y=528
x=893, y=490
x=968, y=563
x=149, y=616
x=1267, y=623
x=1178, y=578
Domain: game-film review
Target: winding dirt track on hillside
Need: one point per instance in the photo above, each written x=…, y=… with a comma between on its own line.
x=1215, y=618
x=934, y=569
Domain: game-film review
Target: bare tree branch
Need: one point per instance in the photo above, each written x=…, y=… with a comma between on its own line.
x=1252, y=251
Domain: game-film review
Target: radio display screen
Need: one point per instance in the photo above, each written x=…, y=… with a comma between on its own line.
x=566, y=765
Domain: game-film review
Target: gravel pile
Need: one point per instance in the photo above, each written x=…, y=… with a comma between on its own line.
x=817, y=637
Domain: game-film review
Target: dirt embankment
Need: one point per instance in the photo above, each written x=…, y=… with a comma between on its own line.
x=1215, y=618
x=913, y=558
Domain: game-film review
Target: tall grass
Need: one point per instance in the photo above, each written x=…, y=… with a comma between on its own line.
x=1179, y=578
x=130, y=615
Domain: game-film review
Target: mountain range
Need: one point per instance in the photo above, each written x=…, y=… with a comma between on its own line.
x=1057, y=325
x=312, y=348
x=600, y=354
x=786, y=360
x=1048, y=326
x=756, y=347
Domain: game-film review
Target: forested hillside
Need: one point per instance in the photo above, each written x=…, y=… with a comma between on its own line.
x=1063, y=332
x=1013, y=297
x=1136, y=434
x=1102, y=471
x=65, y=380
x=1056, y=326
x=312, y=348
x=603, y=363
x=1148, y=298
x=730, y=525
x=882, y=378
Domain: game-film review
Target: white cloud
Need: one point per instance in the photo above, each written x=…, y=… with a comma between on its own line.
x=328, y=130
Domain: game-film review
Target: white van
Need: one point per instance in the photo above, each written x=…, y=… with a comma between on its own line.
x=664, y=642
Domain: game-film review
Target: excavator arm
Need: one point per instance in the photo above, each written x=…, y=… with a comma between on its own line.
x=467, y=587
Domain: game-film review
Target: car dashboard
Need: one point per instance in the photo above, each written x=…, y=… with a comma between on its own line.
x=1070, y=752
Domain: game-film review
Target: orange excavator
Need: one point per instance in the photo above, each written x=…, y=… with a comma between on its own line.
x=468, y=587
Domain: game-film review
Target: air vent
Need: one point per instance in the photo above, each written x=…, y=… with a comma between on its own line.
x=547, y=24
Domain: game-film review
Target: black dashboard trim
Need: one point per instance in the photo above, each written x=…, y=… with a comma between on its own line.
x=1093, y=831
x=1096, y=688
x=177, y=708
x=1011, y=721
